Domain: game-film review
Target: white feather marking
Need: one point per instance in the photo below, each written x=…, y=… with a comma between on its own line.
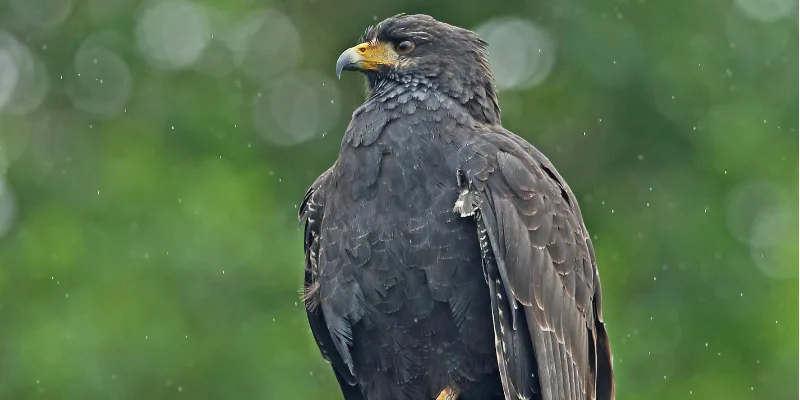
x=463, y=206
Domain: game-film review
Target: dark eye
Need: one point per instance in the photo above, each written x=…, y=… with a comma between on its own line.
x=405, y=46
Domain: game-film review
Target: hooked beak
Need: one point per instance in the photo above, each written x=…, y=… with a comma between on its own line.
x=365, y=57
x=349, y=60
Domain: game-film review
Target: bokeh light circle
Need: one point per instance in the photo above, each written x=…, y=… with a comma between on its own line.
x=23, y=77
x=8, y=207
x=746, y=202
x=298, y=107
x=265, y=43
x=9, y=75
x=522, y=54
x=767, y=10
x=773, y=243
x=172, y=34
x=102, y=82
x=43, y=13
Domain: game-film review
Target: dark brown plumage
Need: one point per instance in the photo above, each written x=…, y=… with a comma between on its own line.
x=443, y=252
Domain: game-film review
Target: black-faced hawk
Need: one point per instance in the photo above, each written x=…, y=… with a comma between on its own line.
x=445, y=256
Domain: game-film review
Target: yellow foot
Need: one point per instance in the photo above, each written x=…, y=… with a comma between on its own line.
x=449, y=393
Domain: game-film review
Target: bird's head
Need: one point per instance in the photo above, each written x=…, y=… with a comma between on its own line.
x=420, y=49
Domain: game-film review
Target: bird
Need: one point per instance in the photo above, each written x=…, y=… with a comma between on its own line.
x=445, y=257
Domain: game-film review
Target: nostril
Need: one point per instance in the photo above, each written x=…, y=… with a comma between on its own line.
x=361, y=49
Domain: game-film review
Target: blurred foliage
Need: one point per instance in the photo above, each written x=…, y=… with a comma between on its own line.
x=153, y=157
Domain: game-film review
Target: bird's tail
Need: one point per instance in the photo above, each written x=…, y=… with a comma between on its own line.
x=605, y=371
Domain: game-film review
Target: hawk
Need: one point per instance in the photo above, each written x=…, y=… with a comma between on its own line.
x=445, y=257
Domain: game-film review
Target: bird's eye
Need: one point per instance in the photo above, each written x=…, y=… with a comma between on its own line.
x=405, y=46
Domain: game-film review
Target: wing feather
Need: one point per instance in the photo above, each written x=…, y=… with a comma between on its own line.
x=311, y=215
x=540, y=251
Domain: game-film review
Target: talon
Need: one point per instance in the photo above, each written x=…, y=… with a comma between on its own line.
x=449, y=393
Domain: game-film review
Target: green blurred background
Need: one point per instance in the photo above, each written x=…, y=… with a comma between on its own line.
x=153, y=156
